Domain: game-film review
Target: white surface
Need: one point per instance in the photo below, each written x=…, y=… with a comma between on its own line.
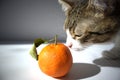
x=17, y=64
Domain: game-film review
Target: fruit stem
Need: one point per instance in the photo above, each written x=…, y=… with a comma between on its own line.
x=55, y=39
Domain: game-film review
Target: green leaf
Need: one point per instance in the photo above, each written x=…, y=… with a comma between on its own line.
x=33, y=50
x=39, y=41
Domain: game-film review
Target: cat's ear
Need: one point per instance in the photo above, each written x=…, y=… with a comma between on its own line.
x=66, y=4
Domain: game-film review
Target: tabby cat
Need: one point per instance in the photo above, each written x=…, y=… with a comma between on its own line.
x=92, y=21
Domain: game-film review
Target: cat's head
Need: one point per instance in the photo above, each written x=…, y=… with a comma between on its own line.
x=88, y=21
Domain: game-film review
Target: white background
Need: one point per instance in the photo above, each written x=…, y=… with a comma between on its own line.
x=17, y=64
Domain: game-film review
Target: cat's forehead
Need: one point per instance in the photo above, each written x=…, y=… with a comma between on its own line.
x=79, y=5
x=76, y=14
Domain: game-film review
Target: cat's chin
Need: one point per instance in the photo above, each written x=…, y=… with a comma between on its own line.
x=77, y=49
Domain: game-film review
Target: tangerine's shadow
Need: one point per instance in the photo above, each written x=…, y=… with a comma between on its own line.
x=81, y=70
x=107, y=62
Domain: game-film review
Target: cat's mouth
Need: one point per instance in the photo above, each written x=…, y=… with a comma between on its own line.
x=75, y=48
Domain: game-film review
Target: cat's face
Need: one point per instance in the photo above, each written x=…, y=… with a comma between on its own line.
x=88, y=21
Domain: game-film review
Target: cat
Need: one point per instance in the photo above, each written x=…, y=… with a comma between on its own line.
x=92, y=21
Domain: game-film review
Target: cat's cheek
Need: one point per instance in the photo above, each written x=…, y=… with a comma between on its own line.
x=73, y=44
x=69, y=42
x=69, y=39
x=76, y=46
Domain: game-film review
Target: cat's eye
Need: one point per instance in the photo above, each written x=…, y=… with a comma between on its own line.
x=78, y=35
x=96, y=33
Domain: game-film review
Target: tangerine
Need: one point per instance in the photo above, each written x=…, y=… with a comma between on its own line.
x=55, y=60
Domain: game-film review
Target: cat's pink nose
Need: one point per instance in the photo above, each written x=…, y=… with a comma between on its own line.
x=70, y=45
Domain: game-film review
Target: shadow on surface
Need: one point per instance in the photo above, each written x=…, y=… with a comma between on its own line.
x=81, y=70
x=107, y=62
